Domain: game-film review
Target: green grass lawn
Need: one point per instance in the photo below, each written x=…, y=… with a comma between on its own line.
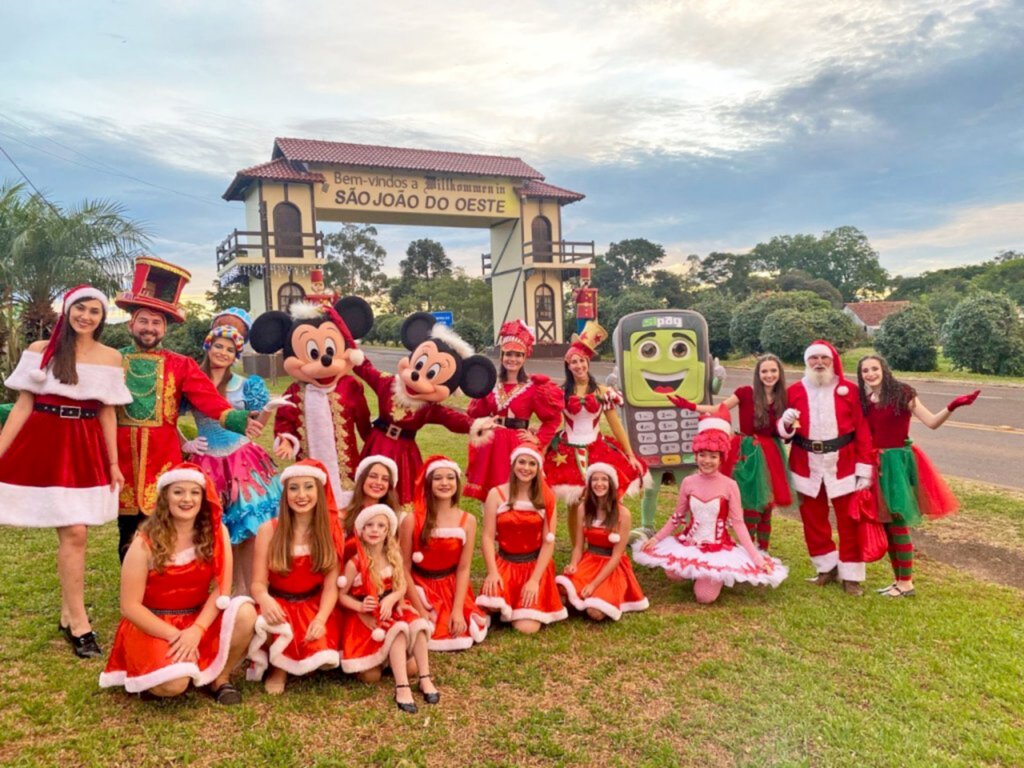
x=798, y=676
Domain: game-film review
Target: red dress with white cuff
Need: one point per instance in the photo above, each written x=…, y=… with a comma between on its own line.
x=434, y=577
x=57, y=471
x=176, y=594
x=619, y=593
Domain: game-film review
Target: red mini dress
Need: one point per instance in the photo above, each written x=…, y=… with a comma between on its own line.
x=176, y=594
x=434, y=573
x=619, y=593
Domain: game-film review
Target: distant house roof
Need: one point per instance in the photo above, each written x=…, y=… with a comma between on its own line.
x=535, y=188
x=275, y=170
x=872, y=313
x=371, y=156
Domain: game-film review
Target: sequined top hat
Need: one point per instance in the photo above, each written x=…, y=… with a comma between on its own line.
x=157, y=285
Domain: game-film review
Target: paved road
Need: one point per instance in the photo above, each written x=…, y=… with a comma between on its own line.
x=983, y=442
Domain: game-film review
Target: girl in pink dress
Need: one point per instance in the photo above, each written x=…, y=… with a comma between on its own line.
x=704, y=551
x=600, y=580
x=174, y=630
x=515, y=398
x=295, y=580
x=380, y=627
x=437, y=548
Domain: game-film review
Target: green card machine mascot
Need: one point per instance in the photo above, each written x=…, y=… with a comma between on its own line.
x=661, y=354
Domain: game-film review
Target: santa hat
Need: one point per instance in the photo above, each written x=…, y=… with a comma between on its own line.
x=187, y=472
x=376, y=458
x=586, y=343
x=525, y=450
x=307, y=310
x=228, y=332
x=714, y=431
x=605, y=469
x=368, y=513
x=822, y=347
x=419, y=497
x=76, y=294
x=517, y=336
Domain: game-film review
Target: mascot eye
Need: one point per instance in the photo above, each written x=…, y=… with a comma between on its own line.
x=433, y=370
x=330, y=348
x=649, y=350
x=418, y=365
x=679, y=349
x=312, y=350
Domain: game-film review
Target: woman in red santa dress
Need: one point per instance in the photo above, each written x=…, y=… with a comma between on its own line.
x=581, y=443
x=520, y=517
x=437, y=548
x=376, y=480
x=515, y=398
x=380, y=627
x=174, y=630
x=910, y=487
x=295, y=581
x=58, y=448
x=600, y=580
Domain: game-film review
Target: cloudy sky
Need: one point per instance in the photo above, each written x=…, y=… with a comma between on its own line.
x=700, y=125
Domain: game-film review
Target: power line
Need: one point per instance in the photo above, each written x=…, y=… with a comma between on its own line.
x=29, y=181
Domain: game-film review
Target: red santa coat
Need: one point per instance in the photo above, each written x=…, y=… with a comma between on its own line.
x=827, y=413
x=394, y=433
x=323, y=426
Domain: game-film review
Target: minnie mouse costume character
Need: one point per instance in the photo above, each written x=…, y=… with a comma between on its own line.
x=326, y=405
x=439, y=363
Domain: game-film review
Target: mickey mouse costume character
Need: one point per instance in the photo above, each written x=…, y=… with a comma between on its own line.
x=327, y=406
x=439, y=363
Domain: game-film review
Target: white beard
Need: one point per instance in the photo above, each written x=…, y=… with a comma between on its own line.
x=820, y=378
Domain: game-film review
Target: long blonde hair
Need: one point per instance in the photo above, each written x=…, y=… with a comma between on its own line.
x=393, y=556
x=322, y=554
x=159, y=531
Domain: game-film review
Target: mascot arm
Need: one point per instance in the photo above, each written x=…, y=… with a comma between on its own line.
x=450, y=419
x=367, y=371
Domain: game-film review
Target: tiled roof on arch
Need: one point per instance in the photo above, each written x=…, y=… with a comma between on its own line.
x=399, y=158
x=275, y=170
x=535, y=188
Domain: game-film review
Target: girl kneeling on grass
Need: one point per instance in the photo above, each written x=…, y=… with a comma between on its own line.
x=705, y=552
x=380, y=627
x=600, y=581
x=294, y=581
x=437, y=548
x=174, y=630
x=520, y=515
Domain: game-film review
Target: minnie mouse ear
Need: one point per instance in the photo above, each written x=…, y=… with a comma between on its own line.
x=478, y=376
x=416, y=329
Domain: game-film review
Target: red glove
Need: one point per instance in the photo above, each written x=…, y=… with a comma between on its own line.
x=963, y=400
x=682, y=402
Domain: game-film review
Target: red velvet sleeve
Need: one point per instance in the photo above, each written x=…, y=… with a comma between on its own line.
x=369, y=373
x=287, y=418
x=862, y=433
x=449, y=418
x=548, y=399
x=482, y=406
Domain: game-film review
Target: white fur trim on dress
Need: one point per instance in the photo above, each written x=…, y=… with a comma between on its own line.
x=605, y=469
x=478, y=434
x=84, y=293
x=376, y=458
x=380, y=657
x=27, y=506
x=372, y=511
x=714, y=423
x=183, y=475
x=95, y=382
x=442, y=464
x=275, y=656
x=191, y=670
x=525, y=450
x=681, y=561
x=452, y=339
x=613, y=612
x=303, y=470
x=816, y=349
x=476, y=629
x=449, y=533
x=507, y=613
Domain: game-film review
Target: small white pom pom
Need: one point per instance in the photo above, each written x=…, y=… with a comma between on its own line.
x=842, y=390
x=378, y=635
x=342, y=582
x=549, y=538
x=38, y=375
x=356, y=356
x=223, y=602
x=614, y=538
x=417, y=557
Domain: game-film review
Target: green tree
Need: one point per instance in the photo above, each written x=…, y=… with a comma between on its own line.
x=909, y=339
x=984, y=334
x=749, y=316
x=835, y=326
x=730, y=272
x=786, y=333
x=1005, y=275
x=625, y=263
x=425, y=260
x=355, y=260
x=670, y=289
x=717, y=311
x=798, y=280
x=227, y=295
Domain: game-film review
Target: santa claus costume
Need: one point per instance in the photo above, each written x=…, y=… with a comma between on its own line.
x=177, y=594
x=709, y=503
x=300, y=593
x=435, y=567
x=367, y=639
x=56, y=472
x=511, y=404
x=521, y=531
x=619, y=592
x=830, y=457
x=581, y=443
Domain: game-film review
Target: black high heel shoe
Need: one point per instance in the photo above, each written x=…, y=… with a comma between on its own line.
x=430, y=698
x=409, y=708
x=86, y=646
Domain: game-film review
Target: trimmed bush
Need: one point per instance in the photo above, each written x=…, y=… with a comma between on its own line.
x=473, y=333
x=834, y=326
x=984, y=334
x=750, y=315
x=909, y=339
x=786, y=333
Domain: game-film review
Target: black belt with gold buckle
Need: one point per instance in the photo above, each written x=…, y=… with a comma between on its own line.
x=823, y=446
x=393, y=431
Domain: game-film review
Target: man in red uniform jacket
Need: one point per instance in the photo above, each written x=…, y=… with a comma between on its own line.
x=829, y=458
